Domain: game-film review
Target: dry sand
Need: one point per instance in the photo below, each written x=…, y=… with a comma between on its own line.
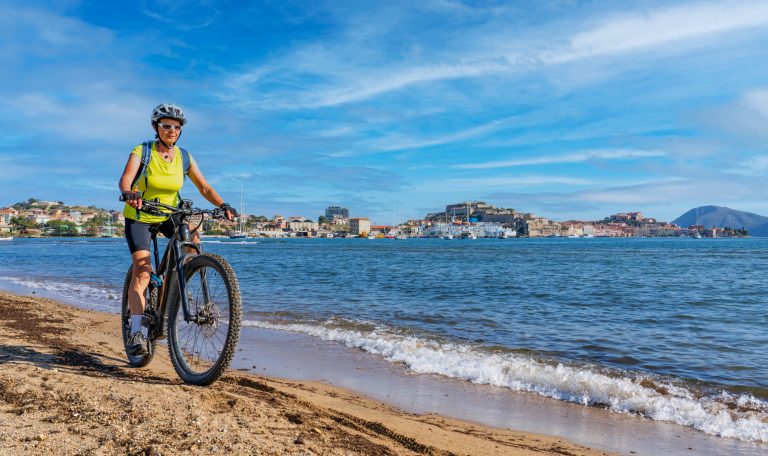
x=66, y=388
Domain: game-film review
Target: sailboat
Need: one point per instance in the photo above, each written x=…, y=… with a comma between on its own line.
x=239, y=234
x=696, y=234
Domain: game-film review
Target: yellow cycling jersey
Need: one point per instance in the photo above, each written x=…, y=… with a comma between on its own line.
x=163, y=181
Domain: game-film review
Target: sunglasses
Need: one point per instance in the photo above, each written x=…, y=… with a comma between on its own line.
x=167, y=127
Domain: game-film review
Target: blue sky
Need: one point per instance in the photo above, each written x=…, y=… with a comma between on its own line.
x=569, y=110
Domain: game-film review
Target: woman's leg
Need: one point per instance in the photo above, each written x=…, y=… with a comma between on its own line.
x=141, y=271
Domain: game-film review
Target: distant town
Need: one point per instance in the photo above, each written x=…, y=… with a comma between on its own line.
x=470, y=219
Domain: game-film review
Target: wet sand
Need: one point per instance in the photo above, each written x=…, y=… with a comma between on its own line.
x=65, y=388
x=298, y=356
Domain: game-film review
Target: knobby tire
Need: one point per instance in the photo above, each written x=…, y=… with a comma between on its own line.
x=191, y=346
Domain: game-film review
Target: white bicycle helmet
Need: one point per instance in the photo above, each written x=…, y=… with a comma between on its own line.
x=168, y=111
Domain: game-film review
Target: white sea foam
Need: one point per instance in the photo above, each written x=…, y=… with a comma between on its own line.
x=749, y=421
x=77, y=293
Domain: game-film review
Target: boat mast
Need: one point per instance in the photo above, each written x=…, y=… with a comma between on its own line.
x=241, y=204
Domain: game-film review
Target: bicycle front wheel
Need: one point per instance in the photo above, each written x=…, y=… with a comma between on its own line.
x=202, y=348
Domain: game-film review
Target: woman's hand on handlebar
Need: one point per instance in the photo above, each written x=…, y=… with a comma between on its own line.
x=132, y=198
x=230, y=212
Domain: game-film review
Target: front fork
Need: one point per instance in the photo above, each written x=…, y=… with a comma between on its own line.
x=178, y=246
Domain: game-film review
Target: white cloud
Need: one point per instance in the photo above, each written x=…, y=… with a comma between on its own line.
x=324, y=85
x=91, y=118
x=319, y=75
x=664, y=26
x=695, y=191
x=336, y=132
x=610, y=154
x=40, y=32
x=742, y=120
x=752, y=166
x=369, y=85
x=393, y=143
x=665, y=198
x=500, y=182
x=757, y=100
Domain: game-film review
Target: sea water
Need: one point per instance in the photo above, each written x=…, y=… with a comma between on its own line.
x=669, y=329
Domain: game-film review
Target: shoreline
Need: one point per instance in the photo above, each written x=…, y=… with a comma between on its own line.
x=285, y=356
x=66, y=388
x=302, y=357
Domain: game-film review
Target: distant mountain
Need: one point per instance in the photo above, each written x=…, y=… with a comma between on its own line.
x=723, y=217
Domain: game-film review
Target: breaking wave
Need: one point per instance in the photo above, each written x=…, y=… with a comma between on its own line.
x=739, y=416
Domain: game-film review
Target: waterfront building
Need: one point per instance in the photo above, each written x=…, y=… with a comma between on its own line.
x=7, y=214
x=477, y=211
x=467, y=209
x=332, y=212
x=338, y=220
x=572, y=228
x=301, y=224
x=279, y=222
x=41, y=219
x=656, y=231
x=380, y=229
x=359, y=226
x=541, y=227
x=614, y=230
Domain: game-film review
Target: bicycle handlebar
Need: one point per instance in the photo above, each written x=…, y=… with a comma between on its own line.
x=155, y=207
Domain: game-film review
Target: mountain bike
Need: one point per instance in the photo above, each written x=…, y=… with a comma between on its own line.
x=193, y=299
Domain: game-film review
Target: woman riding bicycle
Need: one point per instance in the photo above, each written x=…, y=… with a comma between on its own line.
x=161, y=179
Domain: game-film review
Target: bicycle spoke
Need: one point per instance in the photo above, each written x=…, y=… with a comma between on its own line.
x=204, y=342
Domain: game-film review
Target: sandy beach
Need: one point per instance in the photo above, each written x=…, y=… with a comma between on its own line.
x=65, y=388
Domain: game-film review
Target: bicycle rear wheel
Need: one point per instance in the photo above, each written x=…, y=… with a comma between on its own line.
x=150, y=297
x=201, y=349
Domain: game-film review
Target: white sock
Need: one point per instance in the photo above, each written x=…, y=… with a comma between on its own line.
x=136, y=323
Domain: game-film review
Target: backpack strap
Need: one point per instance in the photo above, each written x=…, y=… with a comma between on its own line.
x=187, y=162
x=146, y=156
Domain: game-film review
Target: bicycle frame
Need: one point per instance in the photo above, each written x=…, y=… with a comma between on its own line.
x=173, y=256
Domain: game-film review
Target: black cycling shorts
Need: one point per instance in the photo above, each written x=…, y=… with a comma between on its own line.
x=138, y=236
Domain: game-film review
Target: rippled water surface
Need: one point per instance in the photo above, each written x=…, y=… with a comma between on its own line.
x=660, y=314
